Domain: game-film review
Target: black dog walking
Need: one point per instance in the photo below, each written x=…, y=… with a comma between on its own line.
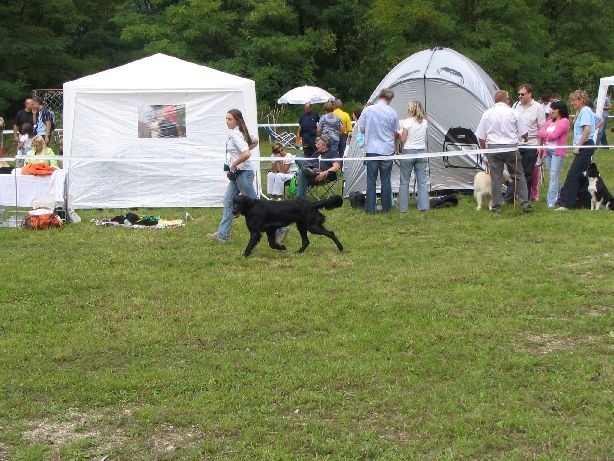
x=268, y=216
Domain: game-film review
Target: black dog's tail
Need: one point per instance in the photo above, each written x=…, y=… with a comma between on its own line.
x=329, y=203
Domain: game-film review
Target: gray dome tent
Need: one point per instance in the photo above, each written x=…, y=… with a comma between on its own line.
x=455, y=91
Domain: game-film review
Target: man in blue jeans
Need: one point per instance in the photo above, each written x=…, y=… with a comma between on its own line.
x=380, y=124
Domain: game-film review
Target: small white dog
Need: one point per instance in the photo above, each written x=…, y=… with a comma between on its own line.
x=482, y=187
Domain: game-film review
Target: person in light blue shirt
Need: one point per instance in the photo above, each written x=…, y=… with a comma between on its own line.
x=380, y=125
x=583, y=131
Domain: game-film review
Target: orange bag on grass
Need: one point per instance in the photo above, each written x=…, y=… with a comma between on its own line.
x=43, y=221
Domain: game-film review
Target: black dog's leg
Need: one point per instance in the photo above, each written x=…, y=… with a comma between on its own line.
x=254, y=238
x=271, y=234
x=321, y=230
x=302, y=229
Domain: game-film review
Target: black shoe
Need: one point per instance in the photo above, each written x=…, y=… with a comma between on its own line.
x=527, y=207
x=496, y=210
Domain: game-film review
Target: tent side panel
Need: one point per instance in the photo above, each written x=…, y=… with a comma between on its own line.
x=154, y=172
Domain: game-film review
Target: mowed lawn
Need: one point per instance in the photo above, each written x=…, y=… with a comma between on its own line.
x=452, y=334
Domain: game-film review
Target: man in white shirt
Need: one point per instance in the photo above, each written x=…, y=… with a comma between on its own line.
x=502, y=127
x=532, y=114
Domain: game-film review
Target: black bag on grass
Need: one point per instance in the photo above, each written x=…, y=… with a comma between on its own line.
x=357, y=199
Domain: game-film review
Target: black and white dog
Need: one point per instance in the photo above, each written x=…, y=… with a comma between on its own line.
x=600, y=195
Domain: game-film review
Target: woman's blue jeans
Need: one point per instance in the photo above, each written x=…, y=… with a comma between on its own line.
x=420, y=166
x=244, y=185
x=554, y=164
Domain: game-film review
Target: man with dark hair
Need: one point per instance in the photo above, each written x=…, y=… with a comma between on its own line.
x=533, y=117
x=502, y=127
x=307, y=126
x=25, y=115
x=44, y=118
x=380, y=124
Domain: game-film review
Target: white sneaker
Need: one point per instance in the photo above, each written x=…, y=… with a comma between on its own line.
x=217, y=238
x=561, y=208
x=550, y=205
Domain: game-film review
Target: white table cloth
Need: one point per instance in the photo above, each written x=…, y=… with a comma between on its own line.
x=21, y=190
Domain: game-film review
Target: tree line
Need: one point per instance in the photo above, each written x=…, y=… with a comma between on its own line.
x=345, y=46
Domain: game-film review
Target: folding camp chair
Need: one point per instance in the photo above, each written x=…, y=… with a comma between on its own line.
x=323, y=189
x=286, y=139
x=462, y=138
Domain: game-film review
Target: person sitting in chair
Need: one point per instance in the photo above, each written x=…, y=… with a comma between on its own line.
x=318, y=170
x=39, y=148
x=280, y=172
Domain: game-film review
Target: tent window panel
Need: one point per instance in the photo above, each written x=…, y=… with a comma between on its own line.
x=162, y=121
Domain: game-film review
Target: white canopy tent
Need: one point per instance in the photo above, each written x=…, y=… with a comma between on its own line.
x=455, y=91
x=118, y=152
x=604, y=83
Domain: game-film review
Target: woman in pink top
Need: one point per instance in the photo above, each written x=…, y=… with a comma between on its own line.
x=554, y=133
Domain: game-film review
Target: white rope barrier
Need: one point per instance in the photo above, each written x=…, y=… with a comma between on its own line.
x=454, y=153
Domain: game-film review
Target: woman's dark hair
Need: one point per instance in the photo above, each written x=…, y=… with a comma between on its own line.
x=561, y=107
x=26, y=128
x=357, y=113
x=238, y=116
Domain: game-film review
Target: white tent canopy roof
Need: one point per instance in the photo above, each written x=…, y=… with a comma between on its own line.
x=155, y=73
x=441, y=64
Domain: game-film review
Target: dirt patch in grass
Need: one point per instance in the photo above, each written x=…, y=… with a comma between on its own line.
x=4, y=452
x=590, y=259
x=72, y=427
x=170, y=438
x=76, y=426
x=546, y=343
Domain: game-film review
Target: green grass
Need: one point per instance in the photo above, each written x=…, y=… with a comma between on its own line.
x=452, y=334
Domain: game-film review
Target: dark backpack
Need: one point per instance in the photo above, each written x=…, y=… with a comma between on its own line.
x=446, y=201
x=357, y=199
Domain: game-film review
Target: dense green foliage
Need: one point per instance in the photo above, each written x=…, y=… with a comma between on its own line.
x=346, y=46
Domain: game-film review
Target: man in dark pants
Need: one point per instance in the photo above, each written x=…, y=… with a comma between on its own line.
x=500, y=128
x=307, y=125
x=533, y=117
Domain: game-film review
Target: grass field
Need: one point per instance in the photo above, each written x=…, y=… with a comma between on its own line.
x=452, y=334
